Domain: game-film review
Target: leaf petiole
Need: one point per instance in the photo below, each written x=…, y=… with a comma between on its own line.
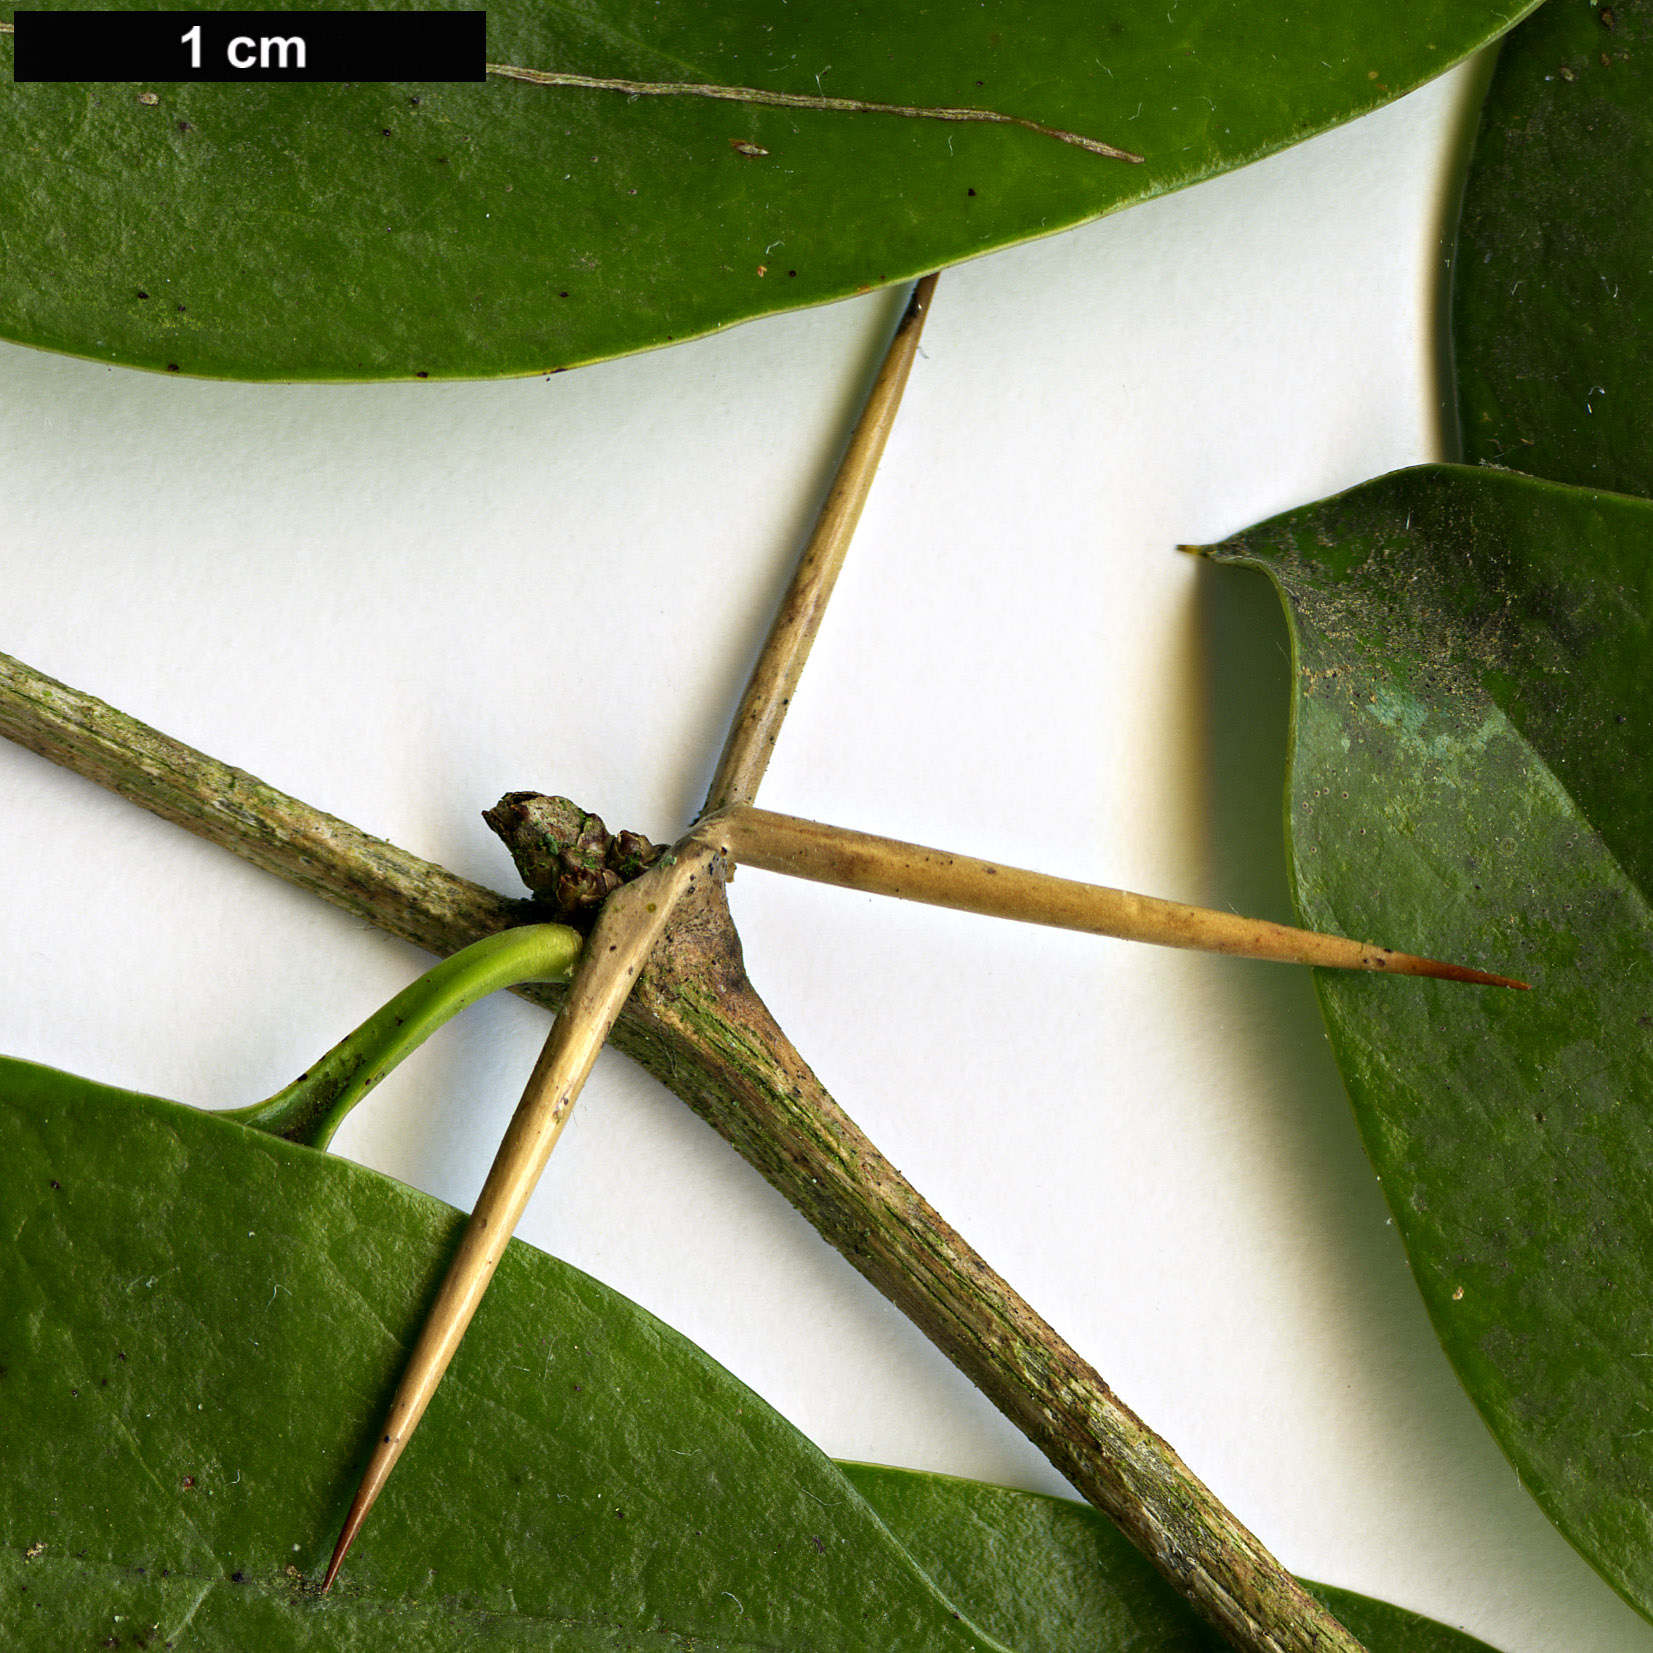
x=312, y=1108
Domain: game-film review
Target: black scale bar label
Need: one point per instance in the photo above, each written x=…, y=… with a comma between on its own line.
x=250, y=45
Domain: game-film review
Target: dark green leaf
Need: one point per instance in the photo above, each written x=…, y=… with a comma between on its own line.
x=199, y=1317
x=199, y=1327
x=383, y=231
x=1553, y=306
x=1053, y=1575
x=1470, y=779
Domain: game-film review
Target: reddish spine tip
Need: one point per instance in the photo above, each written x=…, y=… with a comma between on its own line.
x=1480, y=978
x=339, y=1551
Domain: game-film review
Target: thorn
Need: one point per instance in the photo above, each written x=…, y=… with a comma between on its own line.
x=774, y=679
x=911, y=872
x=602, y=982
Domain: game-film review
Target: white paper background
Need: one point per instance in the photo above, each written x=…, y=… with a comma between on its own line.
x=398, y=602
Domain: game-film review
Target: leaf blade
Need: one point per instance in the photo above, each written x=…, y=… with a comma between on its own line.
x=205, y=1321
x=1053, y=1574
x=369, y=232
x=1553, y=297
x=1437, y=781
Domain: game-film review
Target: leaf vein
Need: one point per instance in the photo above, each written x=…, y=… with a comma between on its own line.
x=802, y=100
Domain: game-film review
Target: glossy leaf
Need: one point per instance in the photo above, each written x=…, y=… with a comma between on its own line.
x=1470, y=777
x=200, y=1323
x=278, y=231
x=178, y=1445
x=1553, y=302
x=1053, y=1575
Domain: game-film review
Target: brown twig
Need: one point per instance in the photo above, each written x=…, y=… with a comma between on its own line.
x=885, y=866
x=399, y=892
x=698, y=1026
x=625, y=934
x=769, y=691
